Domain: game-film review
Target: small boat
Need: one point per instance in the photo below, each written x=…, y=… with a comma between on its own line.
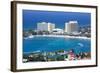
x=80, y=44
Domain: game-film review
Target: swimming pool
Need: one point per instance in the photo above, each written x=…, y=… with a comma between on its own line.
x=50, y=44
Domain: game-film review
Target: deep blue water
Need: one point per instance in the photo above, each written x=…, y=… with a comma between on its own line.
x=53, y=44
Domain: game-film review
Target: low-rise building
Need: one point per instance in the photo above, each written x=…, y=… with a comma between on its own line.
x=57, y=31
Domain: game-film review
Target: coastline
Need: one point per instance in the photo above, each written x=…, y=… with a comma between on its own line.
x=60, y=36
x=58, y=55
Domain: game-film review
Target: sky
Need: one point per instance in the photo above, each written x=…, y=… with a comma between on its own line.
x=32, y=17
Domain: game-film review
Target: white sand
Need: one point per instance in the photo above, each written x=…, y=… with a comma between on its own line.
x=63, y=36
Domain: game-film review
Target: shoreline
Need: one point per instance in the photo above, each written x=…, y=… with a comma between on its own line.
x=60, y=36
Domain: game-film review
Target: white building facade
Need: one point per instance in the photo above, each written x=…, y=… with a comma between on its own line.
x=43, y=26
x=71, y=27
x=57, y=31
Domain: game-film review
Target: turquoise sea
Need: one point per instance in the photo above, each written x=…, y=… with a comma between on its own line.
x=50, y=44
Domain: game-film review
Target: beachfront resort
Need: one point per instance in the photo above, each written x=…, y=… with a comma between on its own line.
x=72, y=28
x=50, y=43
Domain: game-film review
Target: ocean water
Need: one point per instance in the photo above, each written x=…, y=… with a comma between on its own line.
x=50, y=44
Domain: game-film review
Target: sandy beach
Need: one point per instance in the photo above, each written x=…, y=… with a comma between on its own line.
x=62, y=36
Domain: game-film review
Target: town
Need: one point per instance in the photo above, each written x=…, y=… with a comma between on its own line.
x=72, y=28
x=60, y=55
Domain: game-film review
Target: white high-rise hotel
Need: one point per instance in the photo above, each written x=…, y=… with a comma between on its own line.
x=44, y=26
x=71, y=26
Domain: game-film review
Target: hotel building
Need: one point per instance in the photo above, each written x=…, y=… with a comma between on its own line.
x=44, y=26
x=71, y=26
